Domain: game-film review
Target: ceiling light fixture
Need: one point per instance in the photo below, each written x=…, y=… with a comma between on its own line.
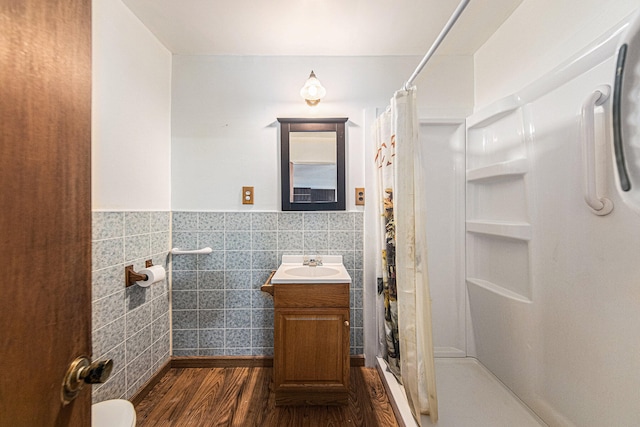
x=313, y=91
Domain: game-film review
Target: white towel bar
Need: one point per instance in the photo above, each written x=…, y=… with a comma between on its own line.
x=176, y=251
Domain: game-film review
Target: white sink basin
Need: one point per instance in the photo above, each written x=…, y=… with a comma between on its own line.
x=292, y=270
x=306, y=271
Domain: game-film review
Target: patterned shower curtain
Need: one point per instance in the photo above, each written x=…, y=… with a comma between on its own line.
x=385, y=156
x=404, y=284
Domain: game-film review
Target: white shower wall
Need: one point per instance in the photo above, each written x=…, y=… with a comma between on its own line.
x=442, y=158
x=538, y=36
x=553, y=289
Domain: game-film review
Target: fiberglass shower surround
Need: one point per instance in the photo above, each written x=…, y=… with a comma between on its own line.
x=552, y=241
x=549, y=297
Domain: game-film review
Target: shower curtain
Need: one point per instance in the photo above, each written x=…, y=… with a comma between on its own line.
x=385, y=161
x=407, y=303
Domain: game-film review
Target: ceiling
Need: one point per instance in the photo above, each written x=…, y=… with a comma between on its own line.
x=318, y=27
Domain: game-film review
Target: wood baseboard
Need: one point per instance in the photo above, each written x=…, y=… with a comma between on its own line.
x=357, y=361
x=146, y=388
x=221, y=361
x=238, y=361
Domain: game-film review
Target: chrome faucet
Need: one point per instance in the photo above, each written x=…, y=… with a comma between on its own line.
x=312, y=262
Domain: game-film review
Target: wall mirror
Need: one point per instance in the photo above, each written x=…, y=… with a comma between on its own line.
x=312, y=164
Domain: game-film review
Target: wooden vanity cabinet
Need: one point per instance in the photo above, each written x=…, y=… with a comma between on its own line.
x=311, y=344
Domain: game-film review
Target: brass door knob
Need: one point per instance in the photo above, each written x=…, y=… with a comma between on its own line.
x=346, y=323
x=81, y=372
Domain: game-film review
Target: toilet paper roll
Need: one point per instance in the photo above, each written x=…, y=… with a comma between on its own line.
x=155, y=273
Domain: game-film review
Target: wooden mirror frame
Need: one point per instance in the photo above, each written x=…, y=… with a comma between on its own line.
x=288, y=125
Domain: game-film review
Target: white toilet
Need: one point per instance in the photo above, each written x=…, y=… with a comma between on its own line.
x=113, y=413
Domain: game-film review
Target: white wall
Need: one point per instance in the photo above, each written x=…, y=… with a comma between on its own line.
x=536, y=38
x=131, y=135
x=225, y=133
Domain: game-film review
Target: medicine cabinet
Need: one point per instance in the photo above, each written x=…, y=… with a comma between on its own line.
x=312, y=154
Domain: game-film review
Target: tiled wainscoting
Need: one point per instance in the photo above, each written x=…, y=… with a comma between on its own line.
x=217, y=305
x=130, y=325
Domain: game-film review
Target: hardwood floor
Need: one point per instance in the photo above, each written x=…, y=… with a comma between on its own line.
x=243, y=397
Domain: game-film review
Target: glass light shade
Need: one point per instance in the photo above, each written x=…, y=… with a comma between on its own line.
x=313, y=91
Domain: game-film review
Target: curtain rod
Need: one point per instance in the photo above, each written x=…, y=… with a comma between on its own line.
x=436, y=43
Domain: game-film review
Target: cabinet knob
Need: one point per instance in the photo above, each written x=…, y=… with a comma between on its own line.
x=346, y=323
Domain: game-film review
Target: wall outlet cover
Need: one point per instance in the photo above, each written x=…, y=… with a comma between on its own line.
x=247, y=195
x=359, y=196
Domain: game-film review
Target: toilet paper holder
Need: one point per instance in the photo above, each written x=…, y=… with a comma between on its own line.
x=131, y=277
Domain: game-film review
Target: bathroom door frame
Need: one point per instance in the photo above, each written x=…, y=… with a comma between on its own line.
x=45, y=208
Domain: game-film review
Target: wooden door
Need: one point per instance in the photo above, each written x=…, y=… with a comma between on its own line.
x=45, y=208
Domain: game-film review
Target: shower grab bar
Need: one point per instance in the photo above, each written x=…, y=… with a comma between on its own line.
x=443, y=33
x=599, y=205
x=176, y=251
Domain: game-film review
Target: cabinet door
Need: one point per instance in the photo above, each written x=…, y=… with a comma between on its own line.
x=312, y=349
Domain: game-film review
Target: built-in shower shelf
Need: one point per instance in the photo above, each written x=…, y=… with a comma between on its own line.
x=497, y=289
x=513, y=230
x=494, y=112
x=516, y=167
